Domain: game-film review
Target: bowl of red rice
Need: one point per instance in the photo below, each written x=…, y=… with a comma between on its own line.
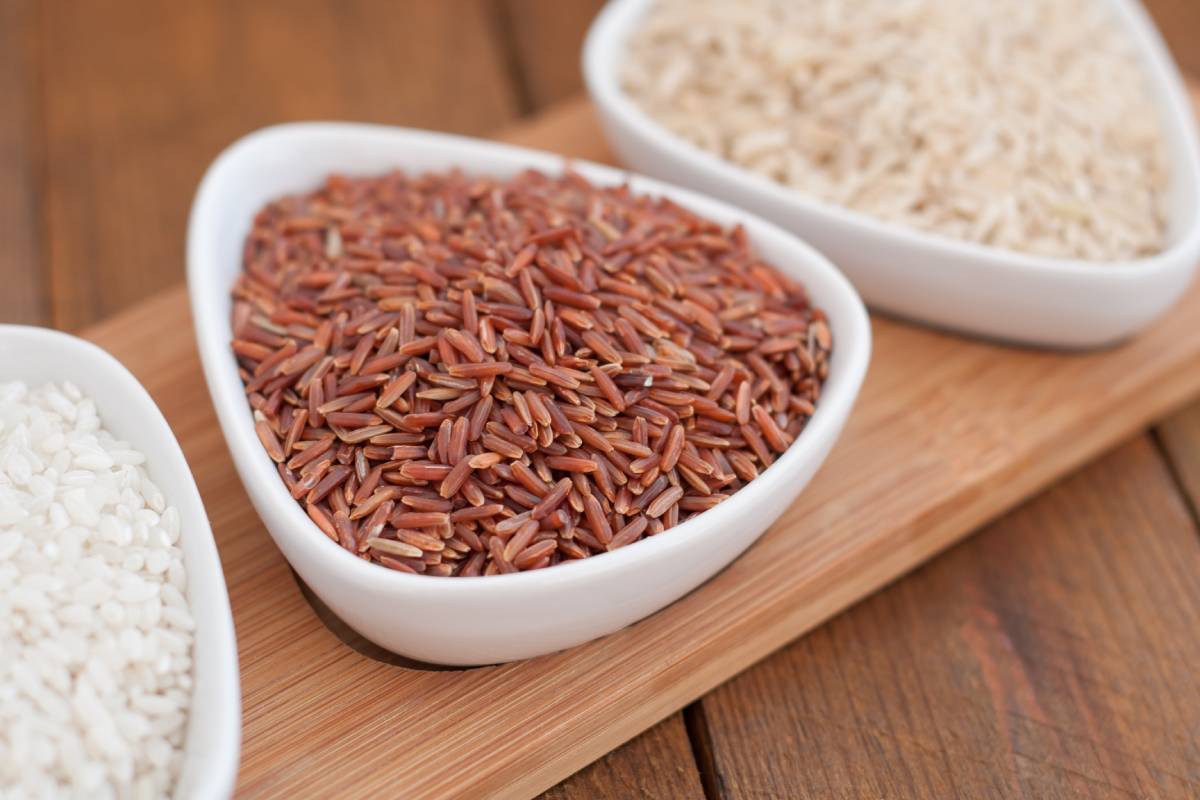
x=450, y=495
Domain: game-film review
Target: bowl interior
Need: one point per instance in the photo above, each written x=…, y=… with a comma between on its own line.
x=38, y=356
x=296, y=157
x=604, y=52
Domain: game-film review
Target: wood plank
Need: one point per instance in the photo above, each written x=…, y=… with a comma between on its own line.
x=22, y=298
x=1180, y=437
x=141, y=95
x=657, y=765
x=995, y=425
x=1053, y=655
x=547, y=37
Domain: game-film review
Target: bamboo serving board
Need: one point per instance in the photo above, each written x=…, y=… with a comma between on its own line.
x=948, y=434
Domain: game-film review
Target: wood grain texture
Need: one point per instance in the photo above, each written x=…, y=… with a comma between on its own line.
x=22, y=296
x=547, y=37
x=1180, y=438
x=895, y=491
x=141, y=95
x=1052, y=655
x=657, y=765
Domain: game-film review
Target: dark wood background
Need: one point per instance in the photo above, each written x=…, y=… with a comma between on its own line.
x=1054, y=654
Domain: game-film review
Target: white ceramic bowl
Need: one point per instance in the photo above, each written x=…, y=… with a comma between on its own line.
x=935, y=279
x=38, y=356
x=502, y=617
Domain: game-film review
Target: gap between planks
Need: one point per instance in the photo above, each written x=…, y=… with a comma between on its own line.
x=1178, y=440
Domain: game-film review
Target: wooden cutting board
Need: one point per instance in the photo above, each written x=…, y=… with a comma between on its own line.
x=948, y=433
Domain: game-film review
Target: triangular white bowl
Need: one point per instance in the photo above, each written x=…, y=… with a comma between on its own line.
x=38, y=356
x=923, y=276
x=503, y=617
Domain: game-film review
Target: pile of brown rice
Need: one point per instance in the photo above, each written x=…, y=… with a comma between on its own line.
x=461, y=376
x=1023, y=125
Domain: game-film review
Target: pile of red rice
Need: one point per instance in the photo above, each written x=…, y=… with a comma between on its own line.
x=466, y=376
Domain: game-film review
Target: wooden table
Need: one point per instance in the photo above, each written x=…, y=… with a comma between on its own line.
x=1053, y=654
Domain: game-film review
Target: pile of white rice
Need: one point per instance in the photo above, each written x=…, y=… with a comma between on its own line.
x=95, y=631
x=1020, y=124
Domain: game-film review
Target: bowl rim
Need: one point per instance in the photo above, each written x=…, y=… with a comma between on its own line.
x=229, y=399
x=218, y=769
x=604, y=45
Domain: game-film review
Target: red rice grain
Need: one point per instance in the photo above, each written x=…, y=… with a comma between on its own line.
x=463, y=376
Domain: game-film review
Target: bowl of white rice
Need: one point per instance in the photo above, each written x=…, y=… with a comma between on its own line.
x=1023, y=171
x=118, y=665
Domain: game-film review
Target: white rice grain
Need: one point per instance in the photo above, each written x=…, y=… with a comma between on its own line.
x=95, y=631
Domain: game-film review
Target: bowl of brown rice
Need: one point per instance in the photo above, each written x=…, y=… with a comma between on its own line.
x=1026, y=172
x=491, y=405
